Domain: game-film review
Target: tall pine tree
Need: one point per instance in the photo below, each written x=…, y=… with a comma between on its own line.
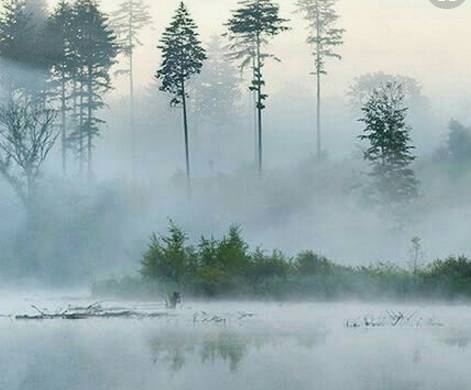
x=389, y=152
x=16, y=45
x=183, y=57
x=128, y=21
x=93, y=51
x=250, y=28
x=59, y=34
x=325, y=37
x=216, y=90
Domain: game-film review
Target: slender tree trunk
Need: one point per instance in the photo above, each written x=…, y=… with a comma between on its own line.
x=259, y=107
x=254, y=112
x=81, y=127
x=318, y=75
x=89, y=126
x=64, y=124
x=187, y=141
x=318, y=117
x=131, y=93
x=131, y=117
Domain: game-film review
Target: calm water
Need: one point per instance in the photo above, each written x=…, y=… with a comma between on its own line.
x=235, y=346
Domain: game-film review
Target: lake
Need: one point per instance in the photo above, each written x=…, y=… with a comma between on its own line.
x=236, y=345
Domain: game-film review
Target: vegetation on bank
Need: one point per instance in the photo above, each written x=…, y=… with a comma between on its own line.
x=228, y=267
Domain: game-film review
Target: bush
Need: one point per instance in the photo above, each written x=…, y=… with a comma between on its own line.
x=227, y=267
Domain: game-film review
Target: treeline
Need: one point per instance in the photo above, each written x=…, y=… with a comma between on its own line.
x=68, y=55
x=229, y=268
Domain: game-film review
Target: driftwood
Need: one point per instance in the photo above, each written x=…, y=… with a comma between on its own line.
x=394, y=319
x=89, y=312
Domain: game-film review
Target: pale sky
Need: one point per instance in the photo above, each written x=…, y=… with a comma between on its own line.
x=410, y=37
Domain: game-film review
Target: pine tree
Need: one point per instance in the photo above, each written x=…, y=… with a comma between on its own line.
x=216, y=90
x=250, y=28
x=390, y=150
x=59, y=35
x=324, y=36
x=16, y=45
x=92, y=51
x=128, y=21
x=183, y=57
x=22, y=50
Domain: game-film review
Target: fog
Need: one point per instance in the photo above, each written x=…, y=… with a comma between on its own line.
x=302, y=345
x=90, y=299
x=100, y=229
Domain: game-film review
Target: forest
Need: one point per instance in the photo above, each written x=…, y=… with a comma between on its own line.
x=208, y=105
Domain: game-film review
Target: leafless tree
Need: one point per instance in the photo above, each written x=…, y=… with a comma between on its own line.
x=27, y=135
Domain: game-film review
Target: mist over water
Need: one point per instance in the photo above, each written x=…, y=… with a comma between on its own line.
x=87, y=229
x=301, y=345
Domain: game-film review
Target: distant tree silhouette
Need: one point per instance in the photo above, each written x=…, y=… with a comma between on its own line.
x=27, y=135
x=93, y=51
x=216, y=91
x=128, y=22
x=24, y=68
x=325, y=37
x=59, y=35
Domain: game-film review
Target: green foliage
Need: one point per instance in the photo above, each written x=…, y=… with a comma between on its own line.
x=389, y=145
x=168, y=258
x=310, y=263
x=250, y=27
x=228, y=267
x=183, y=55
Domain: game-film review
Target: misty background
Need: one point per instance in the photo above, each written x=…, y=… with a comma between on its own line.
x=94, y=231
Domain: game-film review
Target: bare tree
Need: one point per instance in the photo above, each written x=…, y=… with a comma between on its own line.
x=27, y=135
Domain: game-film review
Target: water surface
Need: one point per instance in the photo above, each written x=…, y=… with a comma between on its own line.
x=228, y=345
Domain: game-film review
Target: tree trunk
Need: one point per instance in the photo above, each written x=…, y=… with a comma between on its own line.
x=318, y=117
x=254, y=108
x=187, y=146
x=259, y=107
x=131, y=94
x=81, y=129
x=318, y=75
x=89, y=126
x=64, y=124
x=132, y=118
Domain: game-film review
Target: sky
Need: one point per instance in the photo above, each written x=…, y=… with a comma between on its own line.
x=411, y=37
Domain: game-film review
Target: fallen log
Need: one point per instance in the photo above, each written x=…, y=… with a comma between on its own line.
x=89, y=312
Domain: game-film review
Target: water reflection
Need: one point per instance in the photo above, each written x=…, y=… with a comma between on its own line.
x=230, y=346
x=458, y=338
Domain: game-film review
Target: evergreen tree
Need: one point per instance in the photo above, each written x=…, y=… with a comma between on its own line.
x=128, y=21
x=390, y=151
x=92, y=51
x=250, y=28
x=324, y=36
x=216, y=90
x=16, y=45
x=59, y=35
x=22, y=50
x=183, y=57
